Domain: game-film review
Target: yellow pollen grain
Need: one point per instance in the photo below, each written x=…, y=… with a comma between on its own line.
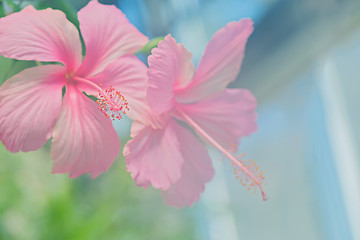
x=69, y=75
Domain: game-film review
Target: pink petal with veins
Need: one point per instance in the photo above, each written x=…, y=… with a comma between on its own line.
x=41, y=35
x=29, y=105
x=169, y=66
x=153, y=156
x=220, y=63
x=108, y=34
x=226, y=117
x=197, y=170
x=84, y=141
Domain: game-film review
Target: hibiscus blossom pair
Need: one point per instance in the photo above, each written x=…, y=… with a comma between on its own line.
x=160, y=99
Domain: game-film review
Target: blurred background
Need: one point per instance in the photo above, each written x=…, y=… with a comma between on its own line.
x=301, y=63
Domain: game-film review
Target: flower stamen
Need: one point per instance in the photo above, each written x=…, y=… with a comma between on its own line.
x=250, y=179
x=112, y=103
x=247, y=173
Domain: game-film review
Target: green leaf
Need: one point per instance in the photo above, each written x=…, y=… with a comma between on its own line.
x=5, y=66
x=10, y=67
x=150, y=45
x=60, y=5
x=2, y=12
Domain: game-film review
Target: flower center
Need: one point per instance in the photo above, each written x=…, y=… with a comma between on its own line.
x=111, y=102
x=69, y=75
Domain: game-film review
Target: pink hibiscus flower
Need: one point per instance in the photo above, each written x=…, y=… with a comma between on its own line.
x=32, y=108
x=168, y=155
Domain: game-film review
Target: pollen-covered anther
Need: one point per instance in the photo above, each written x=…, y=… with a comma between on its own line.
x=249, y=182
x=112, y=103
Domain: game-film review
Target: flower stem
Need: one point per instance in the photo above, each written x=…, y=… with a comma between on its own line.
x=90, y=83
x=223, y=150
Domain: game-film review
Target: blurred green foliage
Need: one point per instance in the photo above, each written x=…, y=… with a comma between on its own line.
x=15, y=7
x=34, y=204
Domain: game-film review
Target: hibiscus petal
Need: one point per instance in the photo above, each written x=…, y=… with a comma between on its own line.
x=197, y=170
x=108, y=35
x=128, y=75
x=226, y=117
x=220, y=63
x=153, y=156
x=41, y=35
x=169, y=67
x=84, y=140
x=29, y=105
